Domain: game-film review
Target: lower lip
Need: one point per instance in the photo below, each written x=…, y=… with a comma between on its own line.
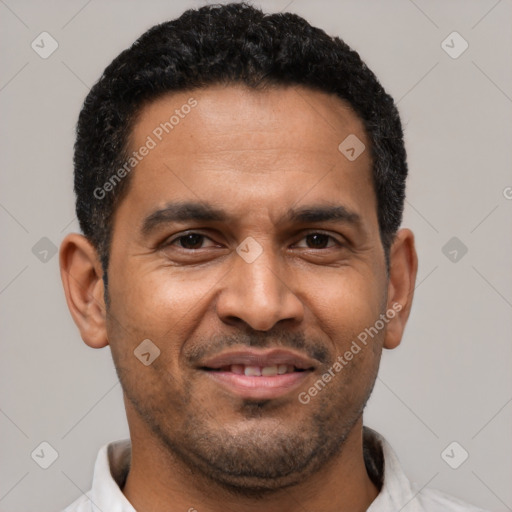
x=259, y=387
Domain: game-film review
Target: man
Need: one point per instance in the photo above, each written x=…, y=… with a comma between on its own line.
x=240, y=183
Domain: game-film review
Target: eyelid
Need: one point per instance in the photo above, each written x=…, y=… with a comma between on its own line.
x=174, y=238
x=339, y=243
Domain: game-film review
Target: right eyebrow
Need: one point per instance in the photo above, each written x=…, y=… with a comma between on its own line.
x=182, y=212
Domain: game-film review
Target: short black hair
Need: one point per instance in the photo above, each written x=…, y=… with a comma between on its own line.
x=227, y=44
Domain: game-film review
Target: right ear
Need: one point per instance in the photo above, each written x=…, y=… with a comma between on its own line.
x=81, y=274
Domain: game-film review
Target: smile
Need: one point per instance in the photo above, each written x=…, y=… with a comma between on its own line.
x=256, y=374
x=258, y=371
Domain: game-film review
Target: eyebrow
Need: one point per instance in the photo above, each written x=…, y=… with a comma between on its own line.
x=203, y=212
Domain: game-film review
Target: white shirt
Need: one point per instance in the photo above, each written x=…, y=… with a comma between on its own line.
x=396, y=494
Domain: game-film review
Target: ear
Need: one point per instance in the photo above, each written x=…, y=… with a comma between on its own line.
x=403, y=263
x=81, y=274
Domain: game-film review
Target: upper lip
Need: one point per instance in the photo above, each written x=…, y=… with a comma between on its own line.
x=261, y=358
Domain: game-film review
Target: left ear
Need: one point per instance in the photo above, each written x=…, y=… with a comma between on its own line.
x=403, y=267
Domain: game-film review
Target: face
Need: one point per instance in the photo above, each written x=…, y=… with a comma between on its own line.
x=247, y=243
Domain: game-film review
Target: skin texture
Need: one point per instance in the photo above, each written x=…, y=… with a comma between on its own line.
x=255, y=155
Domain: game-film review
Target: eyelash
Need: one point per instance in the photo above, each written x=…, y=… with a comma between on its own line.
x=184, y=235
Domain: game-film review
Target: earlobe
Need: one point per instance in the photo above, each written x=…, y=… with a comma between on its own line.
x=402, y=280
x=81, y=274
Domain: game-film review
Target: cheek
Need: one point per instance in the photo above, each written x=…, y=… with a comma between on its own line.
x=345, y=302
x=162, y=302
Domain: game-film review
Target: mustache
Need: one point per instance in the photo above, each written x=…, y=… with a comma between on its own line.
x=210, y=346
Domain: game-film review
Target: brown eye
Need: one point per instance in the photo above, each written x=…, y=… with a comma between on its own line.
x=190, y=241
x=318, y=240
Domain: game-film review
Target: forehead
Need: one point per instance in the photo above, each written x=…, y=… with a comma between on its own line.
x=231, y=144
x=226, y=115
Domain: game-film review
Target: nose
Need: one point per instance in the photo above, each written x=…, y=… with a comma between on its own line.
x=258, y=293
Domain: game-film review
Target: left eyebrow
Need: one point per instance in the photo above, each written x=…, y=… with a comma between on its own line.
x=310, y=214
x=204, y=212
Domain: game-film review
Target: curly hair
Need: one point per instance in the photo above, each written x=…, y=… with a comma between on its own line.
x=228, y=44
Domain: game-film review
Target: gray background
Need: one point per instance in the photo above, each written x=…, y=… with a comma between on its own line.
x=449, y=381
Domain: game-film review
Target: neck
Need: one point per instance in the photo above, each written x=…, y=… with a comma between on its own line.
x=158, y=480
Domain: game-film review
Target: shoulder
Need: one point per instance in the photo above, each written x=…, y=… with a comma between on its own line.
x=110, y=471
x=433, y=500
x=82, y=504
x=397, y=492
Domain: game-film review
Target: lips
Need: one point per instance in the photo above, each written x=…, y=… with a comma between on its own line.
x=260, y=359
x=258, y=374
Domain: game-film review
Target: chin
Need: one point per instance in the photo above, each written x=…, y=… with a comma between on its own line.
x=254, y=487
x=258, y=460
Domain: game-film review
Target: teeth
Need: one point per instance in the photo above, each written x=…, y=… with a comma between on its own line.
x=269, y=371
x=258, y=371
x=252, y=371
